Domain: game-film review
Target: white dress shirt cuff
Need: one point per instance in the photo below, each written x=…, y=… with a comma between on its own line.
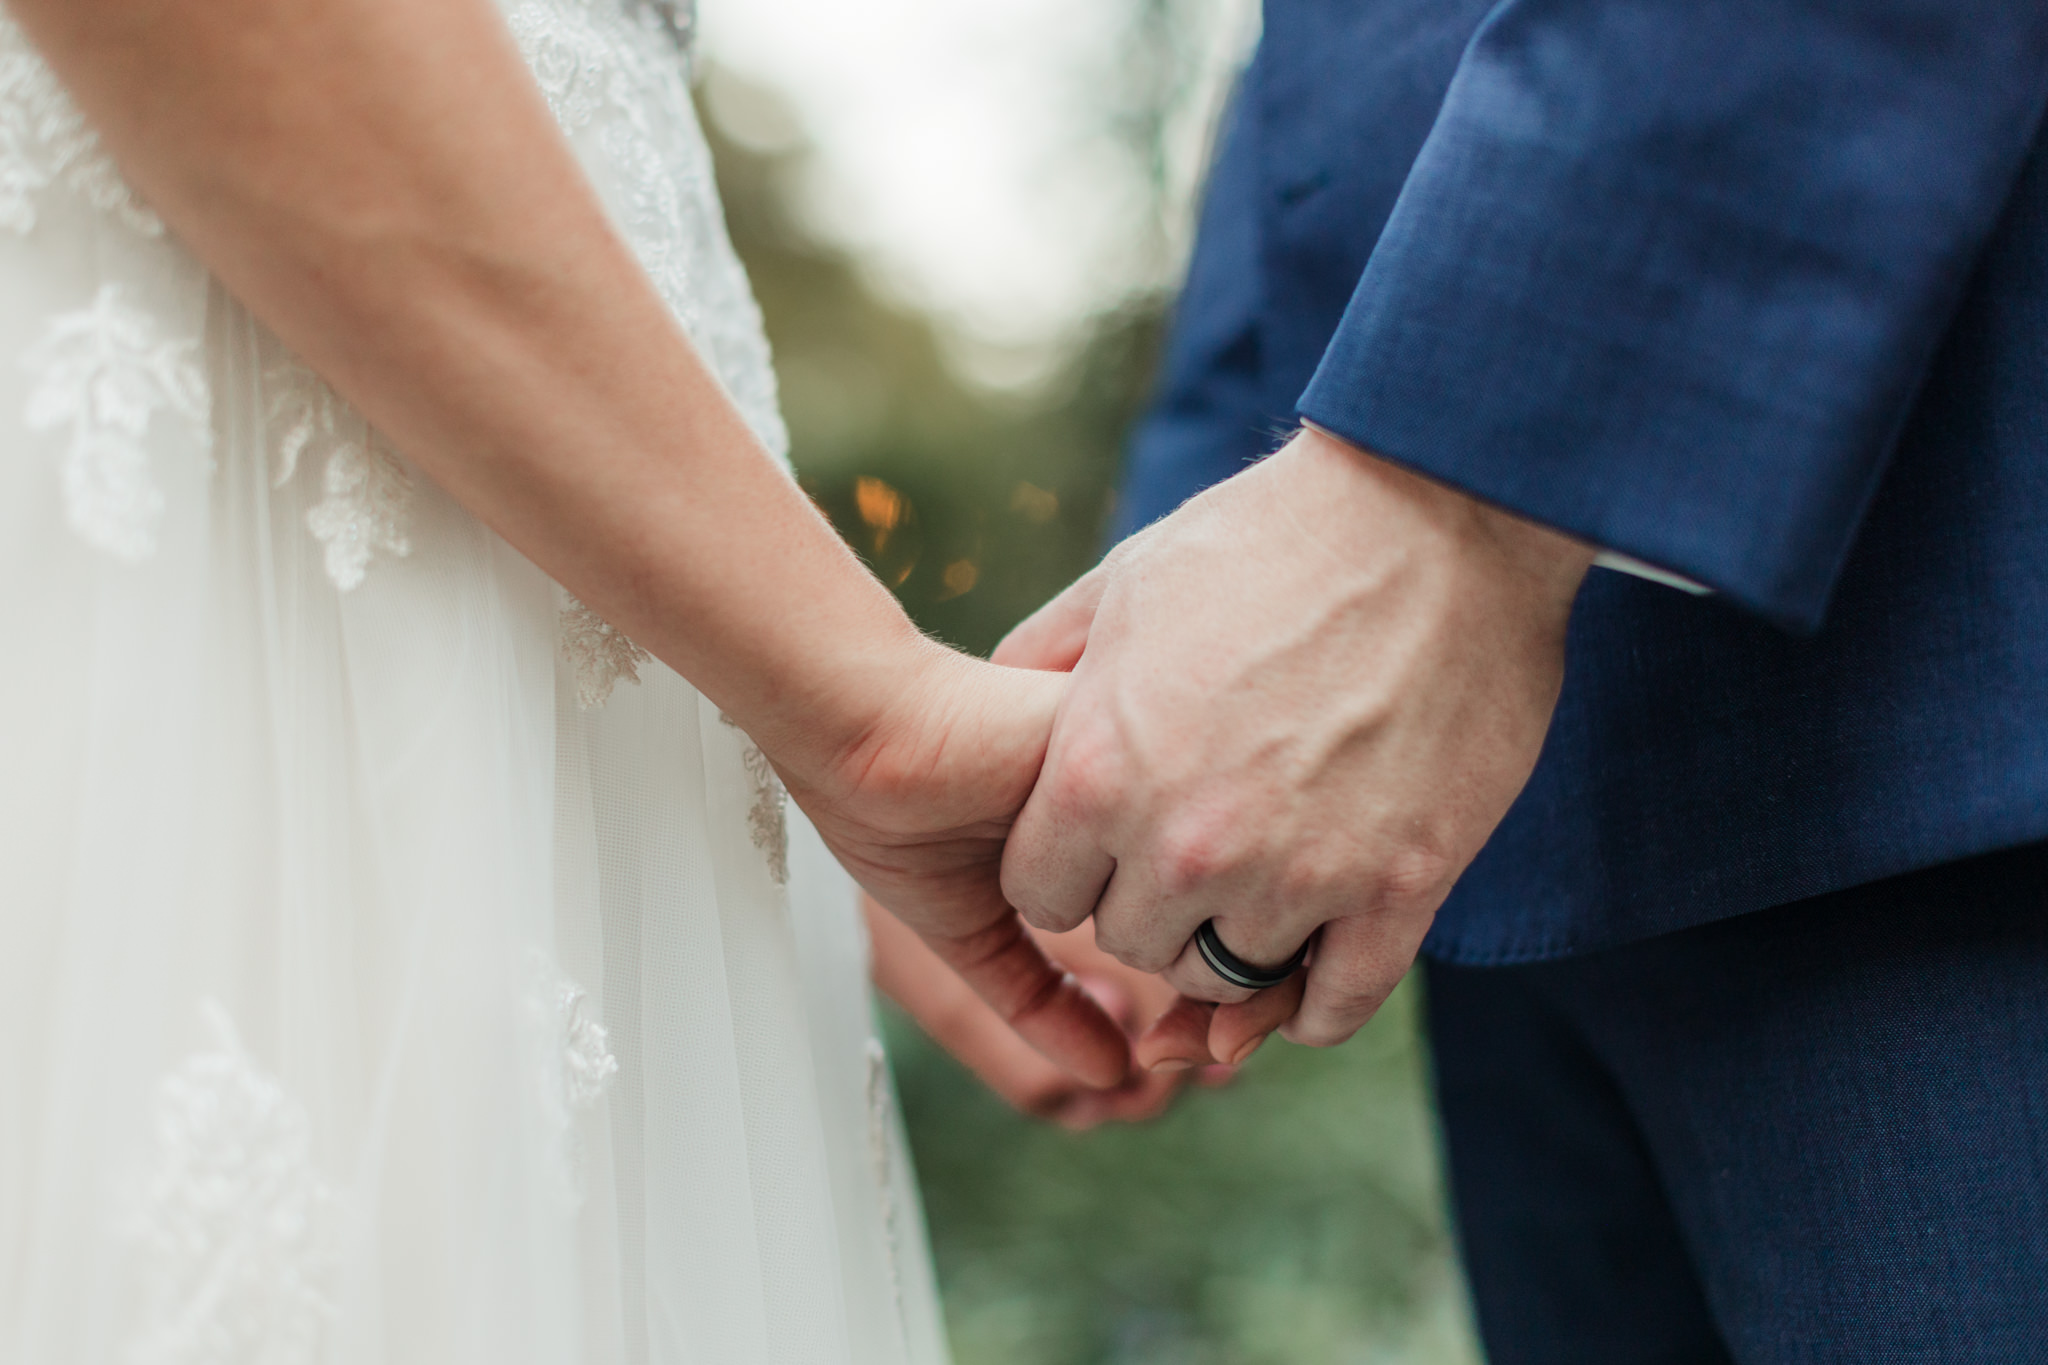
x=1635, y=568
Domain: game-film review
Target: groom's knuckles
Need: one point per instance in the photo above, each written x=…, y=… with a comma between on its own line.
x=1053, y=870
x=1086, y=779
x=1135, y=927
x=1413, y=880
x=1052, y=892
x=1191, y=850
x=1142, y=953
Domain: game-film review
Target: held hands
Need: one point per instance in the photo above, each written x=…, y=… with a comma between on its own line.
x=1299, y=706
x=917, y=806
x=945, y=1008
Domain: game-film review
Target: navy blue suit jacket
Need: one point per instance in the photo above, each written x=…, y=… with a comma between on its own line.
x=1752, y=290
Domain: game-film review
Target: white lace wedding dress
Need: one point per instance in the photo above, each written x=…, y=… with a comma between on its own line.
x=396, y=965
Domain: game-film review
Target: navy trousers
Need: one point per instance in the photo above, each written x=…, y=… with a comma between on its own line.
x=1813, y=1133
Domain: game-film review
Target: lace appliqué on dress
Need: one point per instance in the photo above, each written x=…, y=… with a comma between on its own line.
x=587, y=1062
x=600, y=653
x=367, y=492
x=45, y=141
x=578, y=1065
x=589, y=64
x=236, y=1226
x=768, y=817
x=104, y=373
x=608, y=66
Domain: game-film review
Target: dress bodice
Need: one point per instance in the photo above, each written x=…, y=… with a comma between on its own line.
x=106, y=314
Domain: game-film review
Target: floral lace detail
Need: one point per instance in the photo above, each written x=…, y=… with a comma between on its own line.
x=368, y=496
x=615, y=74
x=587, y=1062
x=585, y=67
x=45, y=141
x=367, y=492
x=236, y=1224
x=609, y=72
x=104, y=372
x=578, y=1065
x=600, y=653
x=768, y=817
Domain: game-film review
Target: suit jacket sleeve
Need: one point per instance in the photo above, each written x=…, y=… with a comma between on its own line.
x=1667, y=273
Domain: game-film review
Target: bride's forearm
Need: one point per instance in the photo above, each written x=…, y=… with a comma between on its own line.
x=380, y=181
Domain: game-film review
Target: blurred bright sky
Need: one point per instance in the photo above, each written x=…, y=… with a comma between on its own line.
x=955, y=149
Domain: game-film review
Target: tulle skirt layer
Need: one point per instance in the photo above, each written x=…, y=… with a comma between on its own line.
x=395, y=964
x=365, y=997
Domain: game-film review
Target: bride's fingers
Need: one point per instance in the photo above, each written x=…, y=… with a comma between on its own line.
x=1145, y=1095
x=1047, y=1007
x=1178, y=1039
x=1237, y=1030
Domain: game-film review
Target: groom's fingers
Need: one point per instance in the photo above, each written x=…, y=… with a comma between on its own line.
x=1047, y=1007
x=1054, y=870
x=1355, y=968
x=1192, y=976
x=1052, y=638
x=1236, y=1031
x=1178, y=1039
x=1260, y=940
x=1197, y=1033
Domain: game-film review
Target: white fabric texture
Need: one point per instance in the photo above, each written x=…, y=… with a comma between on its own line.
x=396, y=964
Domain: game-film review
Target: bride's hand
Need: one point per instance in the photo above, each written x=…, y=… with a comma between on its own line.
x=956, y=1019
x=917, y=808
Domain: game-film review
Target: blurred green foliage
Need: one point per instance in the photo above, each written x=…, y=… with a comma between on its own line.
x=1293, y=1218
x=975, y=507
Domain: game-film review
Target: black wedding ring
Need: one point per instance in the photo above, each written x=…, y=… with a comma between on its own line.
x=1235, y=969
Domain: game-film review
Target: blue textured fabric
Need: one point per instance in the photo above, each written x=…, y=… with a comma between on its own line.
x=1753, y=290
x=1808, y=1134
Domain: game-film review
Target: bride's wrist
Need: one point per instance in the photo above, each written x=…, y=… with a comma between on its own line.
x=875, y=753
x=858, y=713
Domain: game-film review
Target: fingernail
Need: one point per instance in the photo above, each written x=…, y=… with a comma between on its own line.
x=1166, y=1064
x=1247, y=1050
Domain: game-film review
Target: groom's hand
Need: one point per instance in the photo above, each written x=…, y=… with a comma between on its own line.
x=1301, y=703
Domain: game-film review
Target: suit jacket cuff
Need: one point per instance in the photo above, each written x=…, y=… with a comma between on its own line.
x=1633, y=291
